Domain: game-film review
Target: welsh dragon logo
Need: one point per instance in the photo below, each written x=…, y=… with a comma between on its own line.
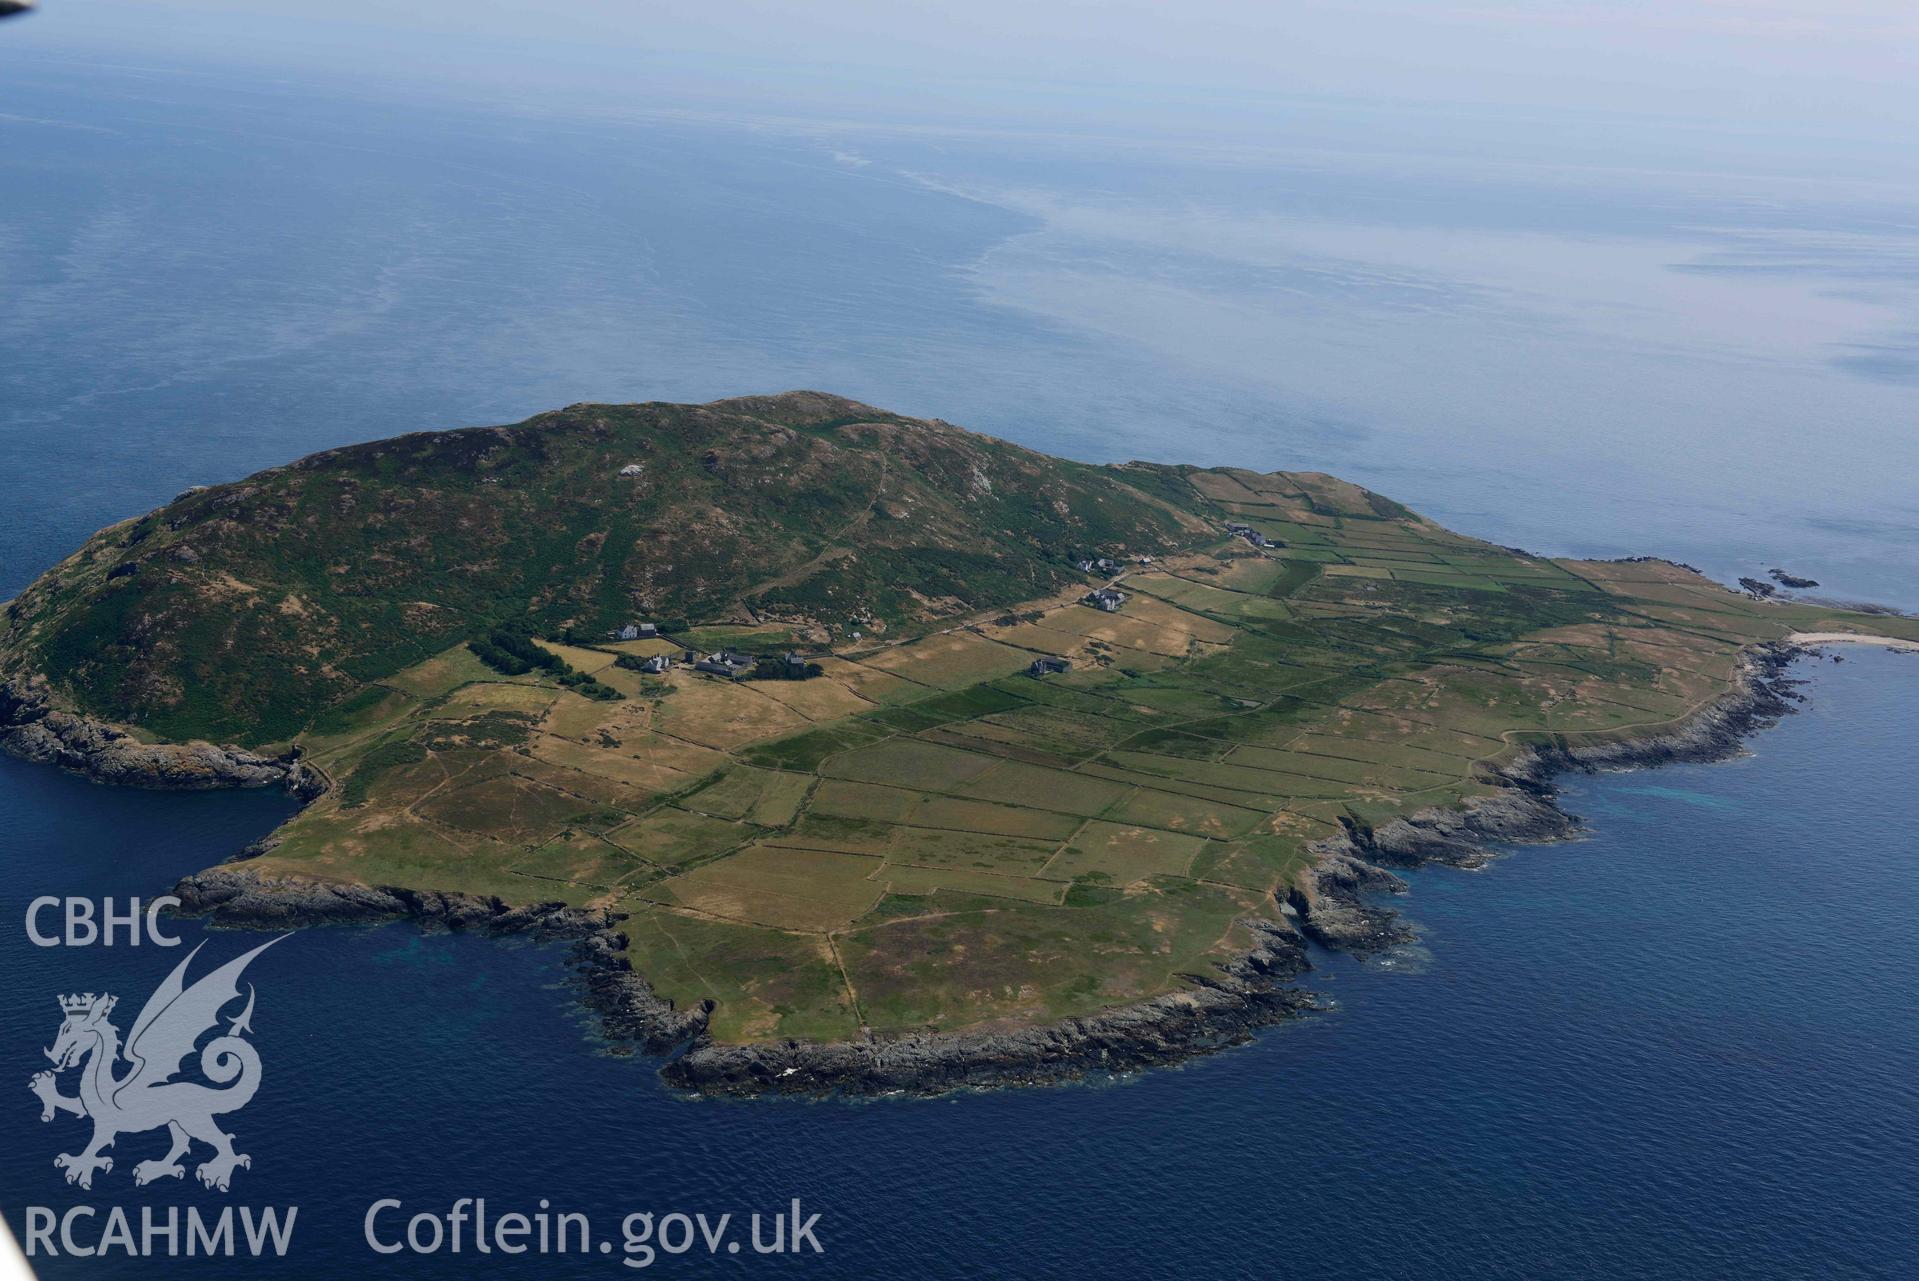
x=145, y=1097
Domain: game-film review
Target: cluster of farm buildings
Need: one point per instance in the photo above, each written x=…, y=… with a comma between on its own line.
x=729, y=663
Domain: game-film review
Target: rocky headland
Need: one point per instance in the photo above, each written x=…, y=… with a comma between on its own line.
x=32, y=728
x=1336, y=905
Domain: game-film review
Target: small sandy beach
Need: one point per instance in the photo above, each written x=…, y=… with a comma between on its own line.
x=1856, y=638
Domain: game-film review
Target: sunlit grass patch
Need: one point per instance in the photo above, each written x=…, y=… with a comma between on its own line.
x=765, y=797
x=1125, y=853
x=784, y=888
x=670, y=837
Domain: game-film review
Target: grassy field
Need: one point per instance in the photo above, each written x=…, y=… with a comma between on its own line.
x=668, y=837
x=792, y=889
x=924, y=836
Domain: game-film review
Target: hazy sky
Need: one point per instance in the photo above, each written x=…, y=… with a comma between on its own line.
x=1780, y=66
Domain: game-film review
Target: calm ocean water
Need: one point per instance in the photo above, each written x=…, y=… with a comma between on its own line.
x=1683, y=1047
x=204, y=274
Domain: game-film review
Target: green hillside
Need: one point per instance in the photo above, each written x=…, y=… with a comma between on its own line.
x=237, y=612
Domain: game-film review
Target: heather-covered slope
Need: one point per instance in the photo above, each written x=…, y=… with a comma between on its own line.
x=236, y=612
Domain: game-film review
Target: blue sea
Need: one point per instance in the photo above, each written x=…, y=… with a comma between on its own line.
x=1684, y=1046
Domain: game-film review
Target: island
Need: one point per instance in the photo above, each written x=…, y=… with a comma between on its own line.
x=860, y=753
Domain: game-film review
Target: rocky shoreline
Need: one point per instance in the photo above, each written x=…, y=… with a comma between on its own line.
x=35, y=730
x=1332, y=901
x=1219, y=1009
x=1333, y=907
x=629, y=1010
